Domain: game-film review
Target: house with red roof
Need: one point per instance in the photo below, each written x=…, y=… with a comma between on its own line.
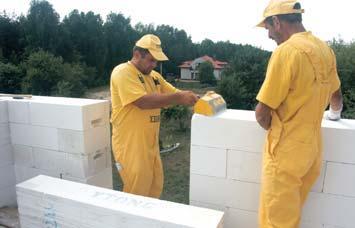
x=189, y=69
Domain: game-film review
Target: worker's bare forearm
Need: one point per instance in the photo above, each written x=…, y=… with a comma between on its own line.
x=263, y=115
x=265, y=122
x=156, y=100
x=336, y=100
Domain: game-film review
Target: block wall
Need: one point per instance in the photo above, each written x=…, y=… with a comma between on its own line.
x=60, y=137
x=225, y=171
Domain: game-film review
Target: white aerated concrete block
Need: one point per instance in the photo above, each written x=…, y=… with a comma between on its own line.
x=310, y=225
x=58, y=116
x=232, y=129
x=97, y=114
x=4, y=134
x=340, y=179
x=69, y=113
x=6, y=155
x=234, y=218
x=8, y=196
x=50, y=160
x=74, y=165
x=244, y=166
x=208, y=161
x=19, y=111
x=220, y=191
x=338, y=140
x=331, y=226
x=208, y=205
x=36, y=136
x=4, y=115
x=241, y=218
x=84, y=142
x=23, y=155
x=330, y=209
x=7, y=176
x=25, y=173
x=331, y=202
x=102, y=179
x=45, y=201
x=83, y=166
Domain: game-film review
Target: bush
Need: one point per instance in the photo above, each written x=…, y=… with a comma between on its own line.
x=48, y=75
x=179, y=113
x=234, y=92
x=43, y=72
x=72, y=83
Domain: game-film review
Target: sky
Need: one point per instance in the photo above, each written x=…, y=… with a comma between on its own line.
x=221, y=20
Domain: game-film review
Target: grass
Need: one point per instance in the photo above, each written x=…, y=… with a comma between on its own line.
x=176, y=163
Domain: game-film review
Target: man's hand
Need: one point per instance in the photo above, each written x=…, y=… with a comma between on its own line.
x=187, y=98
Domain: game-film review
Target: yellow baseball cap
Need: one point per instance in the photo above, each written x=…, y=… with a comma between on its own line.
x=153, y=45
x=277, y=7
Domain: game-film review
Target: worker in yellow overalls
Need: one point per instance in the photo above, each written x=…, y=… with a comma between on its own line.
x=301, y=81
x=137, y=93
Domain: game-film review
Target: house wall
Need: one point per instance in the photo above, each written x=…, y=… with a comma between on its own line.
x=185, y=73
x=226, y=168
x=217, y=74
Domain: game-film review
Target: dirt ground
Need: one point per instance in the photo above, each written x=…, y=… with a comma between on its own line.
x=9, y=217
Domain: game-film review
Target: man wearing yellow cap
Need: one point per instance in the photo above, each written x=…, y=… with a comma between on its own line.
x=301, y=81
x=138, y=92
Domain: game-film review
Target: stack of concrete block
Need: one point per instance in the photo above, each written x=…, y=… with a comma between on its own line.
x=50, y=202
x=7, y=174
x=226, y=169
x=61, y=137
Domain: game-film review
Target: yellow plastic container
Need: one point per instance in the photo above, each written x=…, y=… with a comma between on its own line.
x=210, y=104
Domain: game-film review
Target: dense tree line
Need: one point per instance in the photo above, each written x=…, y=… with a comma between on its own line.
x=85, y=46
x=41, y=54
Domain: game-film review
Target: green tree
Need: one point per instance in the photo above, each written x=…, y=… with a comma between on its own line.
x=10, y=78
x=177, y=45
x=205, y=72
x=242, y=80
x=120, y=38
x=41, y=26
x=10, y=39
x=87, y=40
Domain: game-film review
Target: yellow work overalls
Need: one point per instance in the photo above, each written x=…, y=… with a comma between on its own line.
x=300, y=79
x=135, y=132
